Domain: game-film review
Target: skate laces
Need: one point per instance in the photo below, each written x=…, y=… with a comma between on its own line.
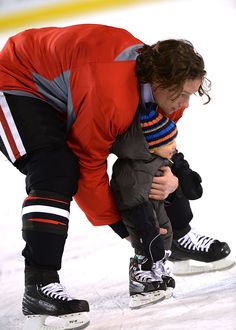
x=196, y=241
x=160, y=268
x=164, y=266
x=56, y=291
x=157, y=270
x=141, y=275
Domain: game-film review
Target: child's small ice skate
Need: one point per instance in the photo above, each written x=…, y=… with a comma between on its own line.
x=161, y=268
x=50, y=307
x=144, y=286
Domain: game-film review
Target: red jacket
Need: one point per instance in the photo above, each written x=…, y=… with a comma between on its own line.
x=88, y=73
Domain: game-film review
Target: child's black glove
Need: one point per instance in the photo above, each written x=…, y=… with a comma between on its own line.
x=189, y=181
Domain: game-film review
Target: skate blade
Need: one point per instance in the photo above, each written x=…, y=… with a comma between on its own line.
x=193, y=267
x=61, y=322
x=144, y=299
x=169, y=293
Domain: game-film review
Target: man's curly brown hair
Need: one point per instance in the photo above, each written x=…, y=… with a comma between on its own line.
x=170, y=63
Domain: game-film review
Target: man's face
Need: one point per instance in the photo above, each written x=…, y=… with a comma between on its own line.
x=169, y=101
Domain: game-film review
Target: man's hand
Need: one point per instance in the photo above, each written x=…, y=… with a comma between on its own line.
x=164, y=185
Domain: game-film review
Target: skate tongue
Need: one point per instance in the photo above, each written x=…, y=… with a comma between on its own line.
x=140, y=258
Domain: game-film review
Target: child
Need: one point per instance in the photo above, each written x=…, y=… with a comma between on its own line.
x=142, y=151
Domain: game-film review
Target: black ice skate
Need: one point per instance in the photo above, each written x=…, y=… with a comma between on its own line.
x=51, y=307
x=195, y=253
x=145, y=287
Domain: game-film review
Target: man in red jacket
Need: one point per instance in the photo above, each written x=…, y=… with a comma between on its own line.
x=66, y=94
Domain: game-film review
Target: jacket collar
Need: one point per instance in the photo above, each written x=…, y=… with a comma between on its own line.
x=146, y=93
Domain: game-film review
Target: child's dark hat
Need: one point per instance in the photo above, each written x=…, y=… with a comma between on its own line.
x=158, y=129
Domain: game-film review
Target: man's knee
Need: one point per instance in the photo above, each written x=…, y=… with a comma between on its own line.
x=54, y=169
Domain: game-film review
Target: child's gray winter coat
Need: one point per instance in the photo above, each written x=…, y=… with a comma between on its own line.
x=131, y=180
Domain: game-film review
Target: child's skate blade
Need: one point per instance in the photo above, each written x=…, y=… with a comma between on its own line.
x=144, y=299
x=192, y=267
x=62, y=322
x=169, y=293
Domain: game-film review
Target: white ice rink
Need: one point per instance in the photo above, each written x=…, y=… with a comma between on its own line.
x=96, y=261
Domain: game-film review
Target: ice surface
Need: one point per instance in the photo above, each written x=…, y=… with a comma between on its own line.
x=96, y=261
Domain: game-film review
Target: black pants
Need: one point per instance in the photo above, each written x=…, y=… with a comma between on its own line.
x=144, y=229
x=179, y=212
x=143, y=223
x=40, y=152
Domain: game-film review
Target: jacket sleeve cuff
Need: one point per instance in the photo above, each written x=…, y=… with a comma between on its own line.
x=120, y=229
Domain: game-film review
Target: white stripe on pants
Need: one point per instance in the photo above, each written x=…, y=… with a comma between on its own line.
x=14, y=131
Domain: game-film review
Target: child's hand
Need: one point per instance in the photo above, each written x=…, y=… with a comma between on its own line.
x=164, y=185
x=189, y=180
x=163, y=231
